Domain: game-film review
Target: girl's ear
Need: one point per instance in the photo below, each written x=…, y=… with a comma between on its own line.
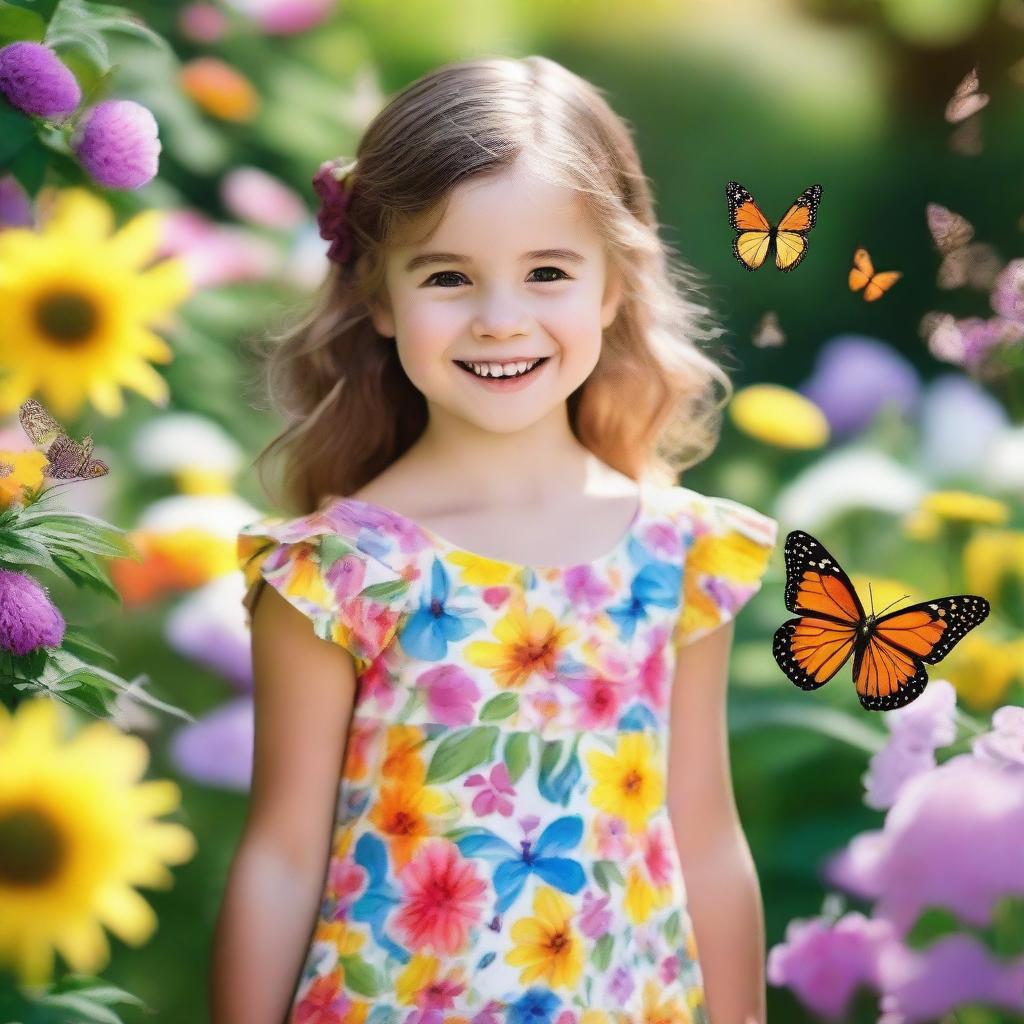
x=613, y=295
x=382, y=317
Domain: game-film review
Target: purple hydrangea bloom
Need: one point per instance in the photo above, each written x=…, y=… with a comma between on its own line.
x=855, y=377
x=826, y=962
x=117, y=142
x=955, y=970
x=1008, y=295
x=28, y=618
x=1004, y=745
x=952, y=839
x=34, y=80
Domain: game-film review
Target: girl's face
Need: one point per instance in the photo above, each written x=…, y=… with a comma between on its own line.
x=515, y=271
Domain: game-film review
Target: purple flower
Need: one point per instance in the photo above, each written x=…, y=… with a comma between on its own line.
x=253, y=195
x=1004, y=745
x=118, y=144
x=855, y=377
x=900, y=760
x=15, y=205
x=34, y=80
x=621, y=986
x=1008, y=295
x=826, y=962
x=969, y=342
x=28, y=618
x=202, y=23
x=331, y=186
x=217, y=749
x=952, y=839
x=287, y=17
x=955, y=970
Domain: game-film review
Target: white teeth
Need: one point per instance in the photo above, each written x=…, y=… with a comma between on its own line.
x=502, y=370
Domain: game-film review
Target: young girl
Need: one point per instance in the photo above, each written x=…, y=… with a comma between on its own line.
x=488, y=410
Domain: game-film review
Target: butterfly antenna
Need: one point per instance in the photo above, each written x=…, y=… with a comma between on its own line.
x=891, y=603
x=871, y=597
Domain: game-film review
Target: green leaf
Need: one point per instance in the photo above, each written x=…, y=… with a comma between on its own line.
x=932, y=924
x=360, y=977
x=16, y=131
x=673, y=928
x=602, y=955
x=606, y=872
x=16, y=24
x=501, y=706
x=517, y=754
x=461, y=751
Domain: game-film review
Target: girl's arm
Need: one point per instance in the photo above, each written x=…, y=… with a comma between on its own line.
x=304, y=689
x=723, y=894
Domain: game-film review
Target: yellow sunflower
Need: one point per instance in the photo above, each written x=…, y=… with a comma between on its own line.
x=76, y=836
x=627, y=784
x=76, y=308
x=779, y=416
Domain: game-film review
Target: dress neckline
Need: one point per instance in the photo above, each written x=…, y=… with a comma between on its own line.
x=450, y=547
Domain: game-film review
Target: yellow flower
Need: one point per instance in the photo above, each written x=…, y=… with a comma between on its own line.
x=26, y=471
x=528, y=643
x=547, y=947
x=994, y=559
x=964, y=507
x=627, y=784
x=341, y=935
x=75, y=308
x=594, y=1017
x=402, y=814
x=779, y=416
x=77, y=834
x=657, y=1012
x=417, y=975
x=982, y=670
x=642, y=898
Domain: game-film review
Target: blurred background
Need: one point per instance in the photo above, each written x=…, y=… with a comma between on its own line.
x=893, y=429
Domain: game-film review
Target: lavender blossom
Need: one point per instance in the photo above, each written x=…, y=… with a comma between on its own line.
x=117, y=143
x=34, y=80
x=1008, y=295
x=1004, y=745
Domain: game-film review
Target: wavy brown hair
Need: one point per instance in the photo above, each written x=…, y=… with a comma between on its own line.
x=652, y=405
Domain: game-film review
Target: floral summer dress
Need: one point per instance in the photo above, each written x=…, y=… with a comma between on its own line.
x=502, y=851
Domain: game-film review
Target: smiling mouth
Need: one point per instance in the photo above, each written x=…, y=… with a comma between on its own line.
x=505, y=376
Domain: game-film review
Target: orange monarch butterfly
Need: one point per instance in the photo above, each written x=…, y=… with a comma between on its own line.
x=863, y=275
x=756, y=236
x=890, y=651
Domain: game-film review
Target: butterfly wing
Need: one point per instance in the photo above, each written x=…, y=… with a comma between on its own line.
x=40, y=426
x=750, y=246
x=889, y=669
x=810, y=649
x=791, y=237
x=880, y=284
x=862, y=270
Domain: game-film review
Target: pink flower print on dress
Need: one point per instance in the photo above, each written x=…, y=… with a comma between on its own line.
x=443, y=898
x=496, y=792
x=345, y=882
x=450, y=693
x=658, y=855
x=595, y=917
x=612, y=838
x=600, y=700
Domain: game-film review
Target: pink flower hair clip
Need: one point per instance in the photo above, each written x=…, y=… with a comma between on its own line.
x=332, y=184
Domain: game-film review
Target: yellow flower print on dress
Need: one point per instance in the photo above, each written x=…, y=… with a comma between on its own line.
x=547, y=947
x=628, y=783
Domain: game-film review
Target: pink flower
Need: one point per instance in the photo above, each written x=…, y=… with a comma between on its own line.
x=36, y=81
x=600, y=701
x=495, y=794
x=443, y=898
x=612, y=838
x=825, y=962
x=658, y=855
x=117, y=142
x=595, y=918
x=450, y=694
x=345, y=881
x=669, y=969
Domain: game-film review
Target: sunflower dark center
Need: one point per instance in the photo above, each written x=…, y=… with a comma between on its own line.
x=30, y=847
x=66, y=317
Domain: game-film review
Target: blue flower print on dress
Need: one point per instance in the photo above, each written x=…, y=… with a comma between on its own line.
x=434, y=625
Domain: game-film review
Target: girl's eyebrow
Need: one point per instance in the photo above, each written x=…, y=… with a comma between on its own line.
x=427, y=258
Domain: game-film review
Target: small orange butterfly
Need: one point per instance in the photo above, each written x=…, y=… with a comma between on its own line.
x=889, y=651
x=862, y=275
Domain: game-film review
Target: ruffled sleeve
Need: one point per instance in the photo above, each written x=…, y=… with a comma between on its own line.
x=352, y=597
x=727, y=547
